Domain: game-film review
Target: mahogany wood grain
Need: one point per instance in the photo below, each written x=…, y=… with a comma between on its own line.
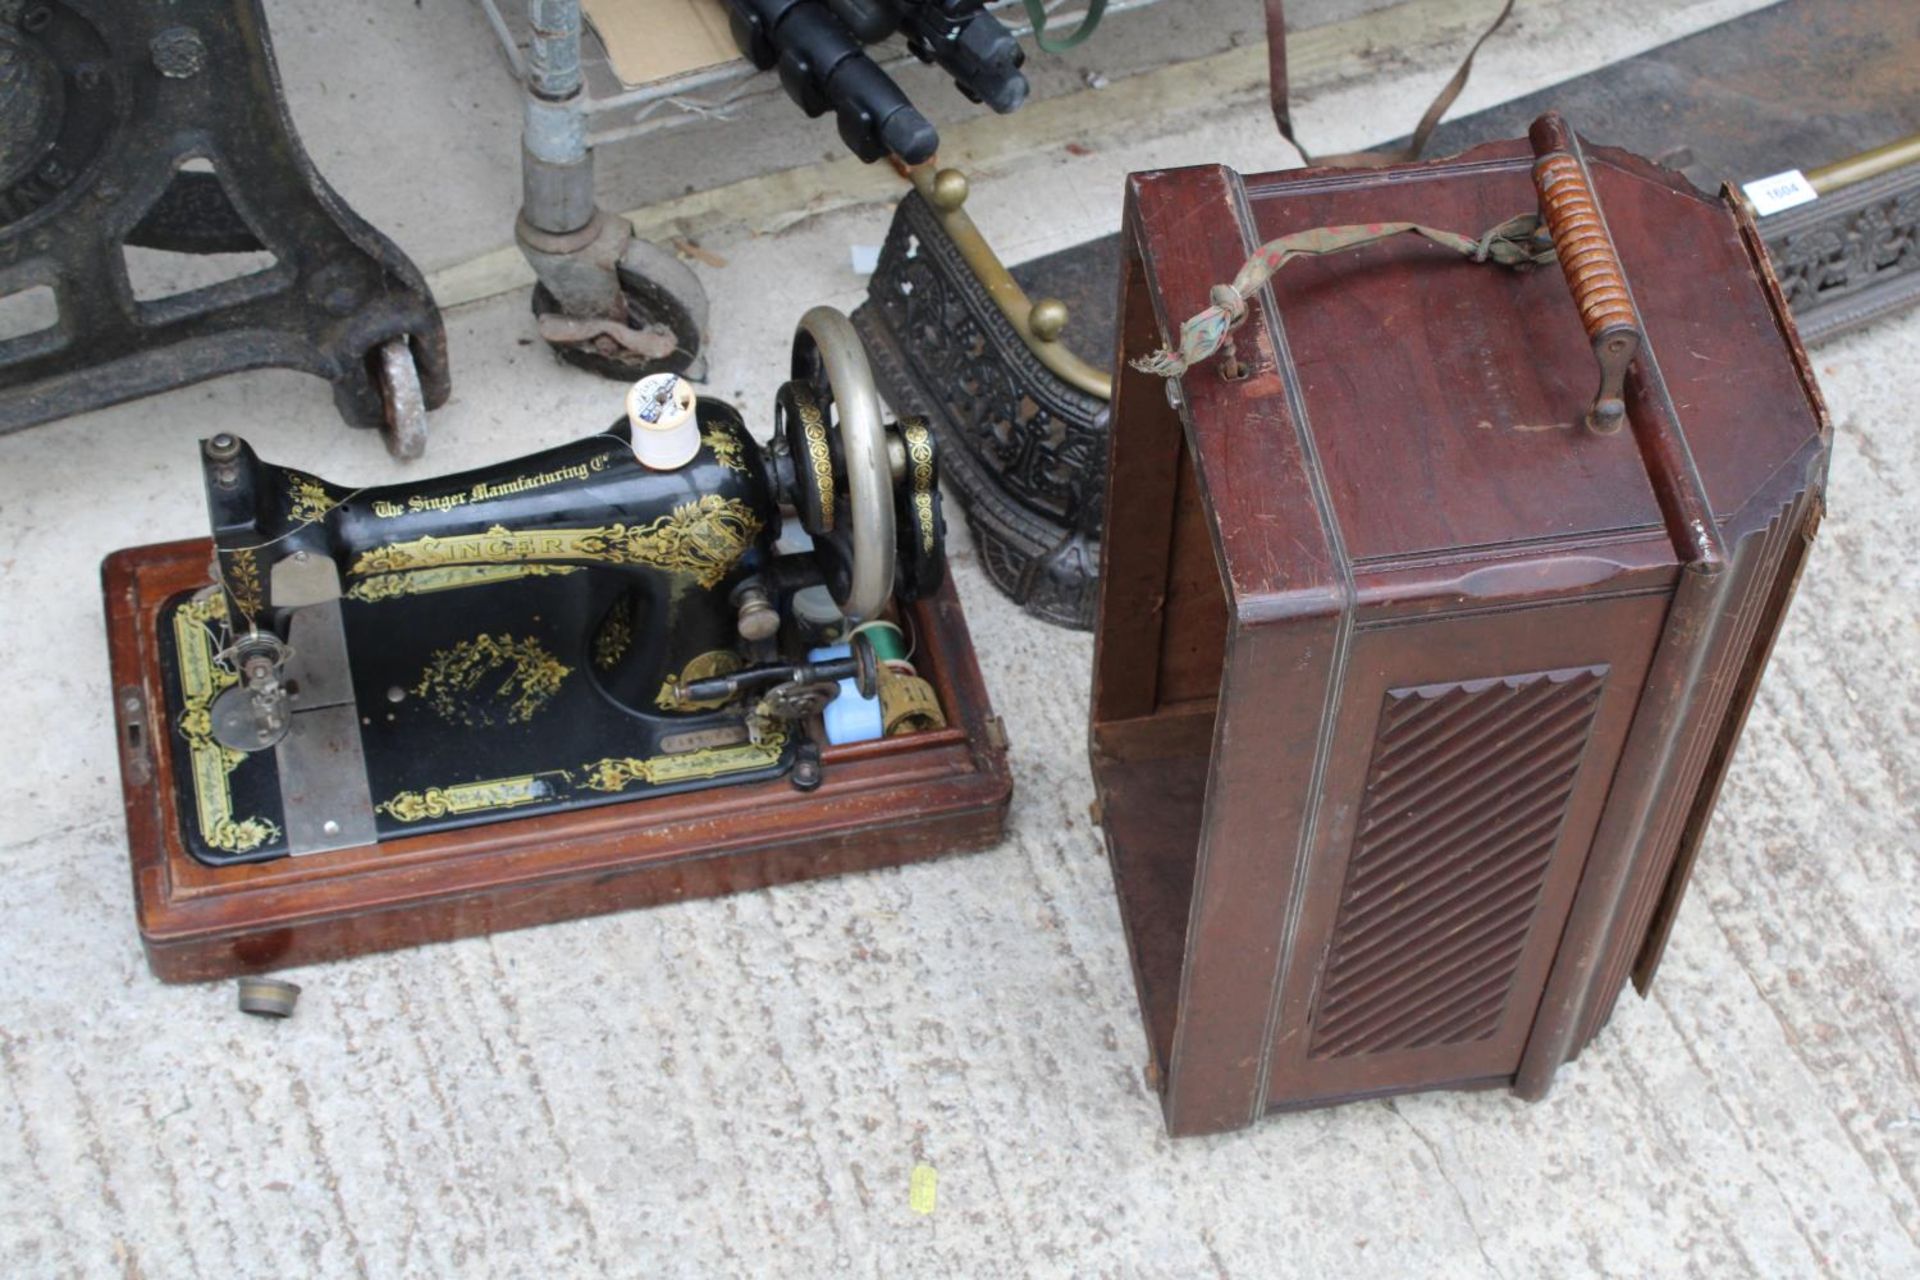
x=1137, y=543
x=881, y=804
x=1412, y=696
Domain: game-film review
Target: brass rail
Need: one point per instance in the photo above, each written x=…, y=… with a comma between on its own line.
x=1039, y=324
x=1868, y=164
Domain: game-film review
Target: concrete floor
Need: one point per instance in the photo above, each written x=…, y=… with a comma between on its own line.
x=743, y=1087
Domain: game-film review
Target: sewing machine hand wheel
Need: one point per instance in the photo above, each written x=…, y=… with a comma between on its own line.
x=830, y=413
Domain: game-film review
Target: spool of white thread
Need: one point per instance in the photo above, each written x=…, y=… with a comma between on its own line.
x=666, y=431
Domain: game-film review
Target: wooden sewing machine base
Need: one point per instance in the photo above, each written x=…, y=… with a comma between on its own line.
x=881, y=804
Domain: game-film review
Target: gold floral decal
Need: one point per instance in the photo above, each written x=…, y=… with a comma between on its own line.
x=460, y=682
x=610, y=775
x=703, y=539
x=308, y=499
x=813, y=425
x=726, y=449
x=615, y=637
x=391, y=586
x=241, y=575
x=472, y=797
x=920, y=455
x=201, y=681
x=617, y=773
x=714, y=662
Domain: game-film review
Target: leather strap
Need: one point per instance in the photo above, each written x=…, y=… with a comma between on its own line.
x=1283, y=113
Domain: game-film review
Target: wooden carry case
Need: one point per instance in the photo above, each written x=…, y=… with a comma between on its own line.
x=1413, y=692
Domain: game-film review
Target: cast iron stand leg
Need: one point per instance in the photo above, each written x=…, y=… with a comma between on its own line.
x=104, y=102
x=606, y=301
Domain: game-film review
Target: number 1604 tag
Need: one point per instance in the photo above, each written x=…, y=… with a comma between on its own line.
x=1780, y=192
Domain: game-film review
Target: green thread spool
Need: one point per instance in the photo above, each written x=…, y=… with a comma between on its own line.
x=887, y=641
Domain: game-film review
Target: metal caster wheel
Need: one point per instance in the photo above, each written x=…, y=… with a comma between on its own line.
x=661, y=335
x=404, y=403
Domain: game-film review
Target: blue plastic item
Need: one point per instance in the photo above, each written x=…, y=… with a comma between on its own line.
x=849, y=717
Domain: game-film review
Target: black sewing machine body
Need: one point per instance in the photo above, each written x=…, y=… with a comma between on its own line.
x=507, y=641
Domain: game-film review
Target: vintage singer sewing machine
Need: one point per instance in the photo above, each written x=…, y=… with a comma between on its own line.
x=625, y=623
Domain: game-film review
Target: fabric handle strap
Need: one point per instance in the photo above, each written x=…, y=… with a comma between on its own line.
x=1283, y=113
x=1513, y=243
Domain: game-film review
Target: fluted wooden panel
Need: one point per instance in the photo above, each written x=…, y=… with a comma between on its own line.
x=1464, y=802
x=1761, y=557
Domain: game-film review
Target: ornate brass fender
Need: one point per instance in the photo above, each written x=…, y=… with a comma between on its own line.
x=1039, y=324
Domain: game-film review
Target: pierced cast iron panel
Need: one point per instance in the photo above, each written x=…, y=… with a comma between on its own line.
x=1025, y=452
x=1465, y=798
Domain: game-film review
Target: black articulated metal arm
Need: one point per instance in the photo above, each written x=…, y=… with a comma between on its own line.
x=969, y=43
x=817, y=48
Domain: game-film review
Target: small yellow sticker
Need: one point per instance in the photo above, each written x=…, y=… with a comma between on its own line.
x=921, y=1187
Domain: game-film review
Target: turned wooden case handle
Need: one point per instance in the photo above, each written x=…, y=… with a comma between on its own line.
x=1592, y=266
